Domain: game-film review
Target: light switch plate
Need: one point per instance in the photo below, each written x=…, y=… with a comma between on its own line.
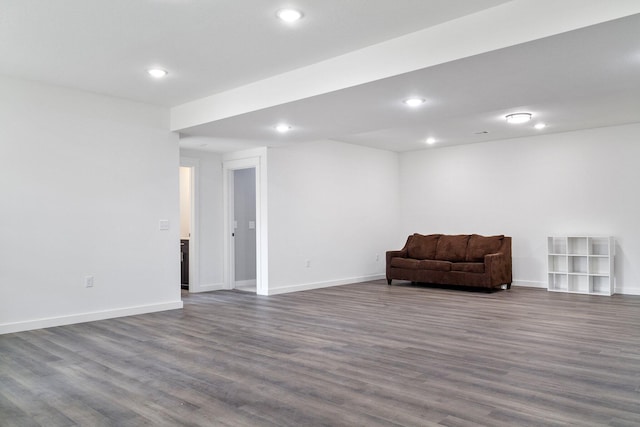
x=252, y=225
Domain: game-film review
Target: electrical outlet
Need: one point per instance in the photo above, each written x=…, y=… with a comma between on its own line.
x=377, y=257
x=88, y=281
x=308, y=263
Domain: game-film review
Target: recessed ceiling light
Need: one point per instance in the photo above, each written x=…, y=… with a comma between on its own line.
x=158, y=73
x=540, y=126
x=414, y=102
x=431, y=141
x=516, y=118
x=283, y=127
x=289, y=15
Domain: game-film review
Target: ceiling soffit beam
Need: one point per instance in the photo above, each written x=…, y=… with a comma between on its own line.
x=509, y=24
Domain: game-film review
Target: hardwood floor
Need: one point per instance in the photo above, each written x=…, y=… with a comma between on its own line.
x=357, y=355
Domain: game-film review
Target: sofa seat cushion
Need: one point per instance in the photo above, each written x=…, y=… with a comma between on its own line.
x=468, y=267
x=431, y=264
x=452, y=248
x=399, y=262
x=416, y=264
x=422, y=246
x=479, y=246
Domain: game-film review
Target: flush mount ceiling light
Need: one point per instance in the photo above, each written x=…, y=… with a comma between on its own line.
x=157, y=73
x=540, y=126
x=516, y=118
x=283, y=128
x=414, y=101
x=430, y=141
x=289, y=15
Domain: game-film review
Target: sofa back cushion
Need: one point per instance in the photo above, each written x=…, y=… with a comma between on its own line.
x=479, y=246
x=422, y=247
x=452, y=248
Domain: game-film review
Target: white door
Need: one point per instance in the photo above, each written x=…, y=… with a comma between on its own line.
x=244, y=233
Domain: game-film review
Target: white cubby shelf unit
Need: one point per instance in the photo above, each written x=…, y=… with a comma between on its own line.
x=581, y=265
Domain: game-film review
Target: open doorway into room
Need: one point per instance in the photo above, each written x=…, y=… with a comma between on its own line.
x=185, y=224
x=190, y=279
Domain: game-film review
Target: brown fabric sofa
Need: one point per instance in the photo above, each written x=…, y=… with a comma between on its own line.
x=465, y=259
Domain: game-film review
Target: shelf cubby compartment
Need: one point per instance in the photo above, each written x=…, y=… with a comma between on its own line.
x=600, y=285
x=578, y=283
x=558, y=264
x=599, y=246
x=577, y=245
x=599, y=265
x=557, y=245
x=558, y=282
x=577, y=264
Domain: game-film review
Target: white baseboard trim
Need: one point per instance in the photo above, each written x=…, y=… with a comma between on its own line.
x=627, y=291
x=318, y=285
x=8, y=328
x=206, y=288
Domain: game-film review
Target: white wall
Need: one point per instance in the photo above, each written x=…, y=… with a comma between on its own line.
x=84, y=181
x=209, y=234
x=575, y=183
x=334, y=205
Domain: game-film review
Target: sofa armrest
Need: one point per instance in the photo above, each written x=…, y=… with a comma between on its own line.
x=498, y=266
x=393, y=254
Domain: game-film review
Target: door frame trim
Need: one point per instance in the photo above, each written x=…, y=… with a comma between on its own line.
x=248, y=159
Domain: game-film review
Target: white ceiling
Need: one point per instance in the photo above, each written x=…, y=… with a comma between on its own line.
x=588, y=77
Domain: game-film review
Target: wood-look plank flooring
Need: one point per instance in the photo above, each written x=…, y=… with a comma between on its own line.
x=358, y=355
